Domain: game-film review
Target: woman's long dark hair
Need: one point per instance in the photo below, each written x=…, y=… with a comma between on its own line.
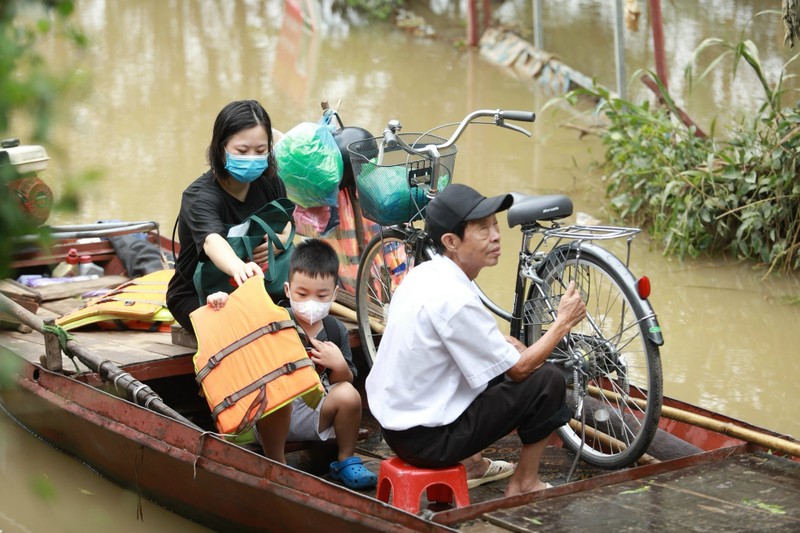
x=235, y=117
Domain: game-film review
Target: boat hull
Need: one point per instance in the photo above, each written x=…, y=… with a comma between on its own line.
x=197, y=475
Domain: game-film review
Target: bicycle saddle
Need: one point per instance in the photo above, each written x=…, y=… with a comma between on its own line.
x=527, y=209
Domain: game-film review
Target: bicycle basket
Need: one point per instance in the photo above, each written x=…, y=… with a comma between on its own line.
x=393, y=189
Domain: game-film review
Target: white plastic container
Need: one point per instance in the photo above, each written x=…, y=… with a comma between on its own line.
x=87, y=268
x=69, y=266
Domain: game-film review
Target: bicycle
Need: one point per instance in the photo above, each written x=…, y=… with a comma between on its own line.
x=610, y=360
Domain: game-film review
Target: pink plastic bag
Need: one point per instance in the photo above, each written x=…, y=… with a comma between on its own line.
x=311, y=220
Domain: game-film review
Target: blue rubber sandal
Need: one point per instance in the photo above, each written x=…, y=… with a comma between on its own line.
x=353, y=474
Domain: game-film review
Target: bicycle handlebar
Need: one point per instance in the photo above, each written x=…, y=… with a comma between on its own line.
x=391, y=140
x=524, y=116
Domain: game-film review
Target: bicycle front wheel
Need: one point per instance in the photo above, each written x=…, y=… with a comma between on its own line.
x=387, y=259
x=613, y=369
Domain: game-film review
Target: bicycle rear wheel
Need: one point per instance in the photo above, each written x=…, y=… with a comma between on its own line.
x=387, y=259
x=616, y=378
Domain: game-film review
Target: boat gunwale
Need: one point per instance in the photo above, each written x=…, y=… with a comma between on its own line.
x=214, y=454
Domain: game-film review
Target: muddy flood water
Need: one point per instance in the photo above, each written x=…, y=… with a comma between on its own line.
x=161, y=71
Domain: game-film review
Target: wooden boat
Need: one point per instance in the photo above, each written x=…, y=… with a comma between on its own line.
x=135, y=417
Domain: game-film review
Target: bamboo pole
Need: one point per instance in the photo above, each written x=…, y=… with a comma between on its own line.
x=139, y=393
x=726, y=428
x=609, y=441
x=343, y=312
x=348, y=314
x=472, y=23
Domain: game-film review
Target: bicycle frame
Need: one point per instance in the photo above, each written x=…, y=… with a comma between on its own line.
x=531, y=262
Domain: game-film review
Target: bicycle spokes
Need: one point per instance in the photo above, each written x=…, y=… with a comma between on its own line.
x=610, y=366
x=385, y=263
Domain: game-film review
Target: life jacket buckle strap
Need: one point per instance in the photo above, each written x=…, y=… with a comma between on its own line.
x=215, y=359
x=287, y=368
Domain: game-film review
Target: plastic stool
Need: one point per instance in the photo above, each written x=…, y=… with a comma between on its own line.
x=407, y=482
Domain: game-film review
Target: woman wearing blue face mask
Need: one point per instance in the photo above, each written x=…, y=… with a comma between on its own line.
x=242, y=180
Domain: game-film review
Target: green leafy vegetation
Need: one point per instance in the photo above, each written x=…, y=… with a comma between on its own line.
x=28, y=85
x=696, y=195
x=31, y=93
x=9, y=365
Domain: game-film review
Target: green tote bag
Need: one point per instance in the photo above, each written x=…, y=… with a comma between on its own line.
x=243, y=238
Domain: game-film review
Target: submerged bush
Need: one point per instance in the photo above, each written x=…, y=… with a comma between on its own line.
x=701, y=195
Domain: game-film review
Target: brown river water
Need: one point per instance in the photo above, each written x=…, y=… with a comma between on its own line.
x=162, y=70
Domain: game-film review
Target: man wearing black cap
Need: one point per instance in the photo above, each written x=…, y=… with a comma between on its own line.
x=429, y=387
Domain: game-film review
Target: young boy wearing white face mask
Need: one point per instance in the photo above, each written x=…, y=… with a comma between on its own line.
x=311, y=289
x=313, y=278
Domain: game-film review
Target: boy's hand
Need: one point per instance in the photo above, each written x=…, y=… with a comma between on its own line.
x=217, y=300
x=328, y=355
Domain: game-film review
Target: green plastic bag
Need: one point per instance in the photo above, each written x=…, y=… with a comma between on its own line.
x=387, y=198
x=269, y=220
x=310, y=164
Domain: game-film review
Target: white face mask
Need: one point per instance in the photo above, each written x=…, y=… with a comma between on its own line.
x=311, y=310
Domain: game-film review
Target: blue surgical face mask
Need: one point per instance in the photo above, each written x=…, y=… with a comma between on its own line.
x=246, y=168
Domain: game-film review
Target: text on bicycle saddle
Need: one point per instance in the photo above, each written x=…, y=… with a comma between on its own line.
x=527, y=209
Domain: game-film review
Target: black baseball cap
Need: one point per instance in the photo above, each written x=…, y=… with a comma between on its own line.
x=459, y=203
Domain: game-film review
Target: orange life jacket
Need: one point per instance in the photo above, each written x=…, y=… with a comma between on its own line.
x=139, y=303
x=250, y=360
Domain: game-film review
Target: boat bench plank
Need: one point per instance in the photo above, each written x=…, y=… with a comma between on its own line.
x=20, y=294
x=121, y=347
x=29, y=345
x=745, y=492
x=127, y=347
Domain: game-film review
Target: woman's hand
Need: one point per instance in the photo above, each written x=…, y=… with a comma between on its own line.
x=261, y=252
x=247, y=271
x=222, y=255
